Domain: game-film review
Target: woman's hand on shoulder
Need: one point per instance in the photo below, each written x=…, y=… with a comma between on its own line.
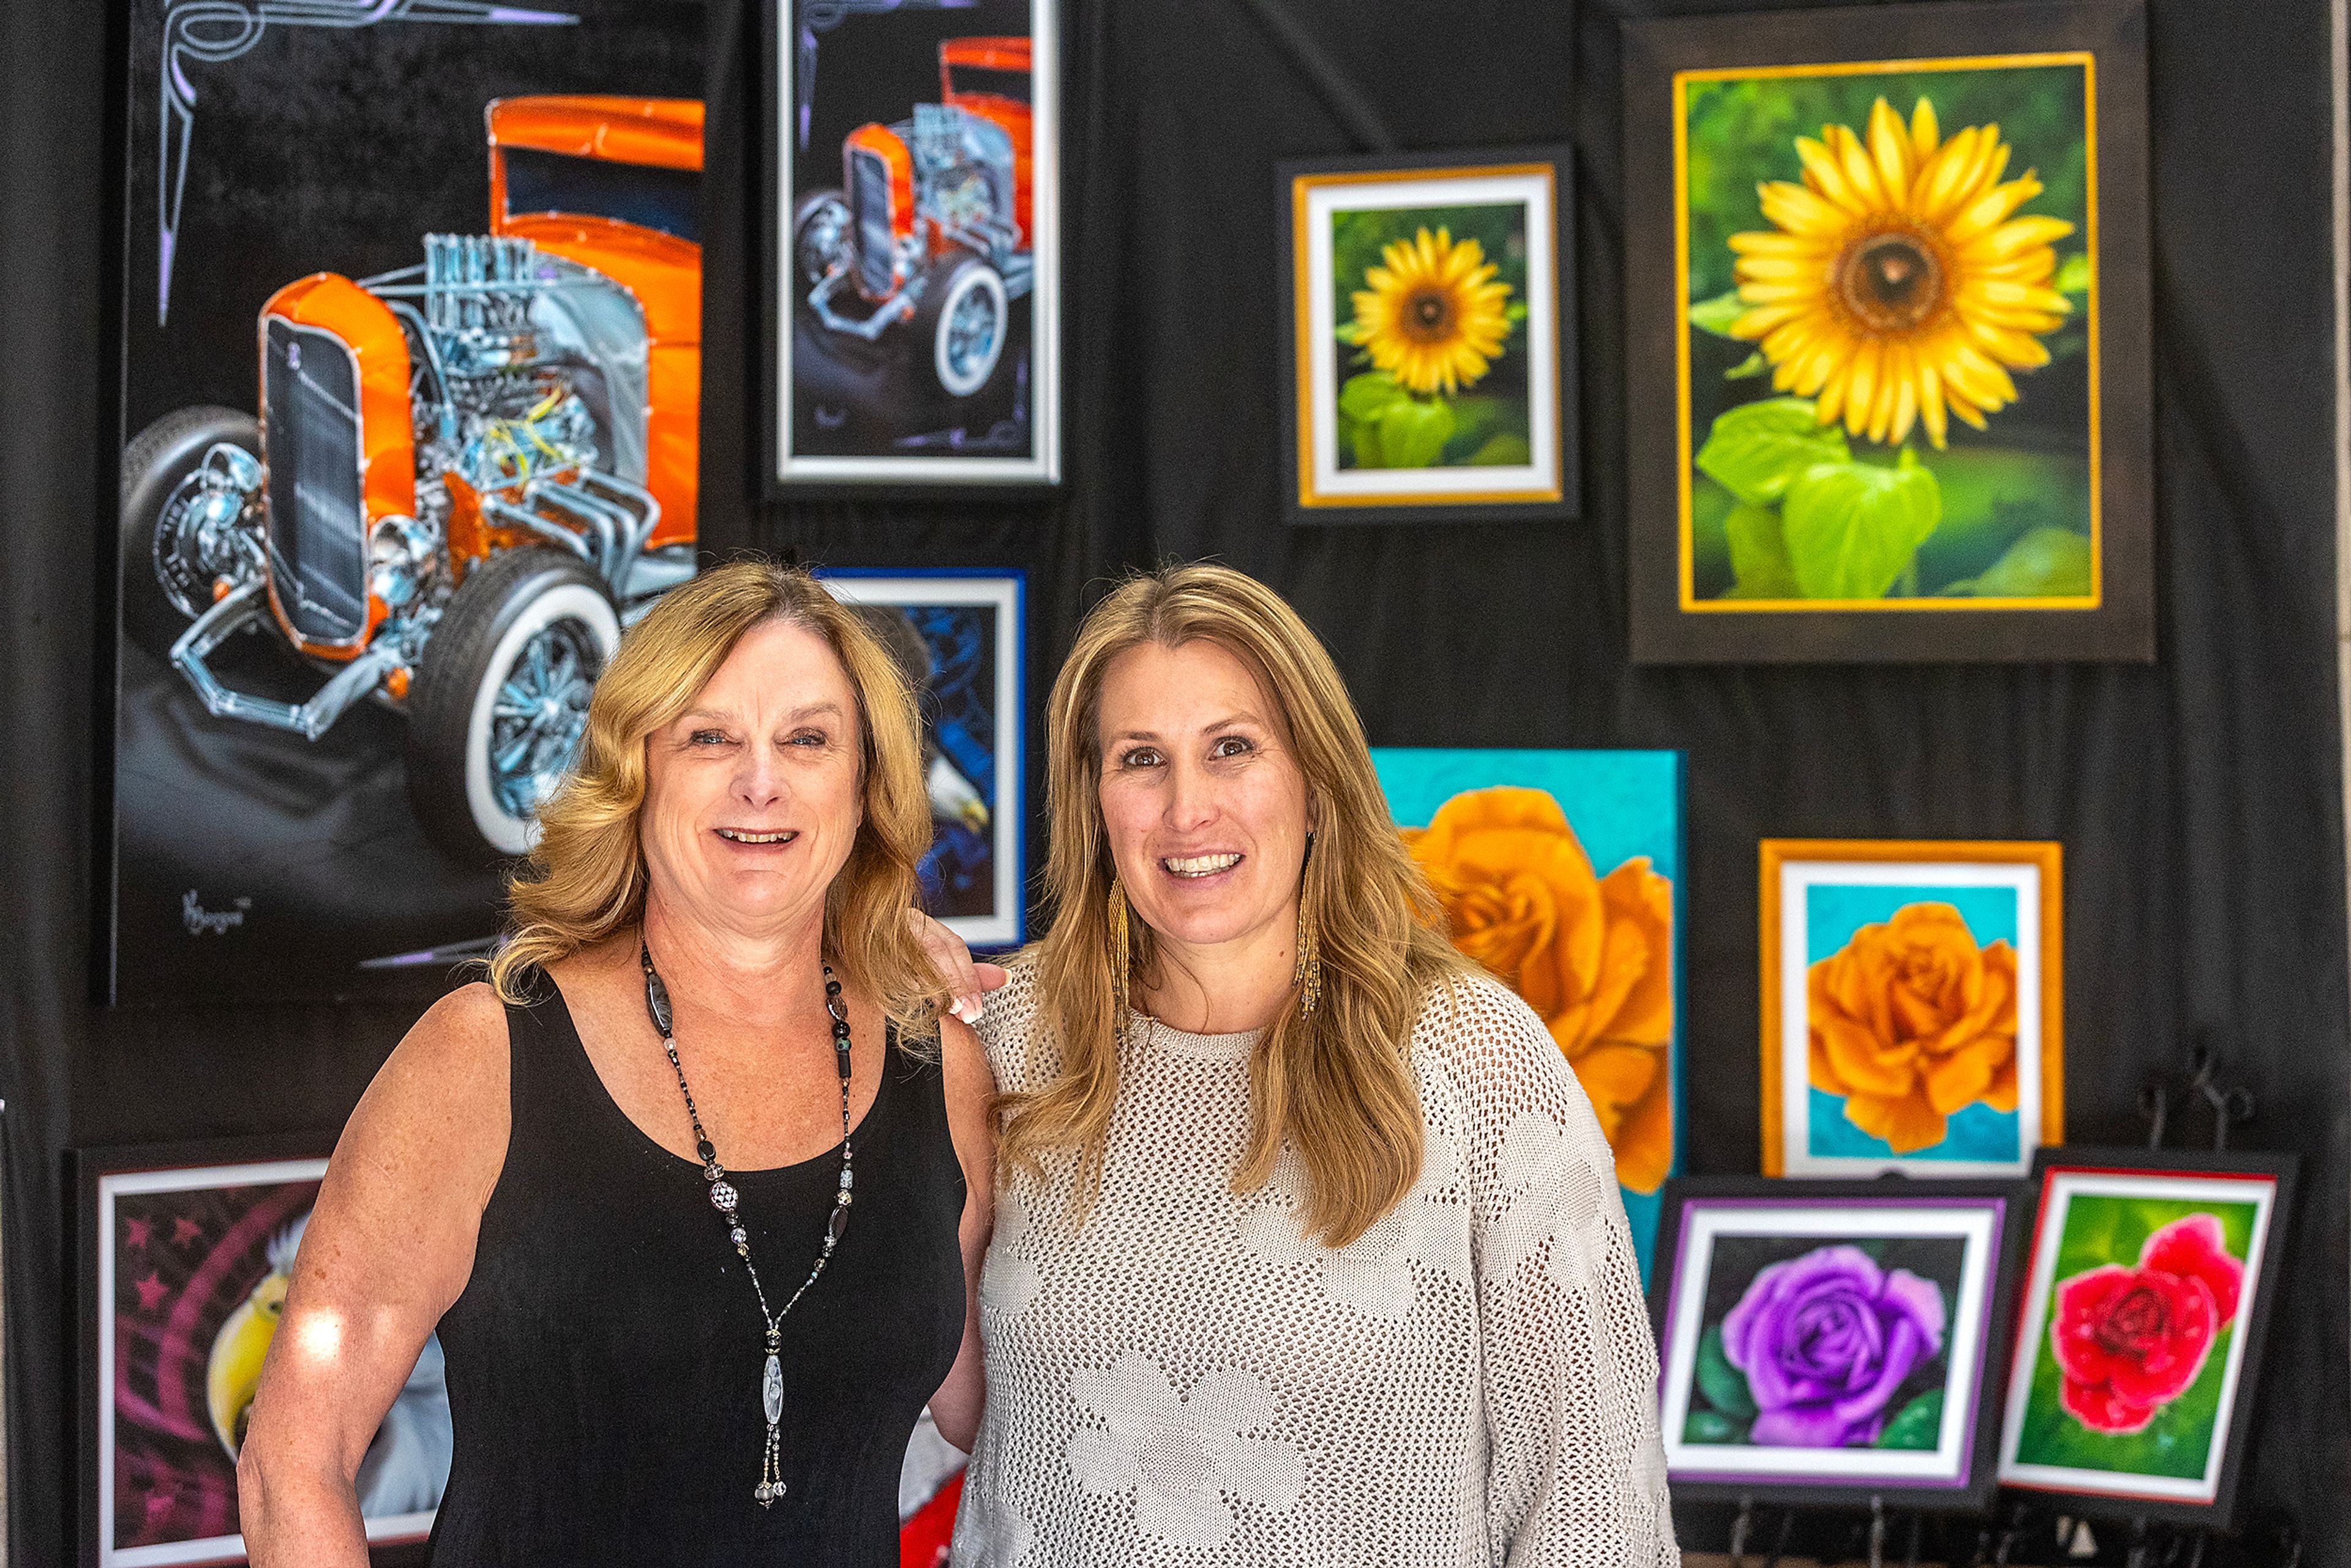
x=967, y=980
x=388, y=1249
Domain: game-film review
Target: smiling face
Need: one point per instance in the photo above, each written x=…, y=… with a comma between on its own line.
x=1204, y=804
x=753, y=794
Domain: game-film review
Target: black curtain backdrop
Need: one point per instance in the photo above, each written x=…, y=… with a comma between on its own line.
x=2199, y=799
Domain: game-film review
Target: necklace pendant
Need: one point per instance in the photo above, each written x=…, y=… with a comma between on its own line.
x=771, y=1390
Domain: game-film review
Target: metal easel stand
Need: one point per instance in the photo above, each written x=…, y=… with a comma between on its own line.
x=2232, y=1105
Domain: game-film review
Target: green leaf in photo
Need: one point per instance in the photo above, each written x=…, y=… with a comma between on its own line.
x=1712, y=1427
x=2046, y=563
x=1363, y=440
x=1759, y=556
x=1756, y=450
x=1368, y=395
x=1717, y=314
x=1753, y=365
x=2072, y=273
x=1724, y=1385
x=1504, y=451
x=1853, y=528
x=1917, y=1426
x=1413, y=432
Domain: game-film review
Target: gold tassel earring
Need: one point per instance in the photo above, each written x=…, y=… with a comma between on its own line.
x=1308, y=975
x=1122, y=958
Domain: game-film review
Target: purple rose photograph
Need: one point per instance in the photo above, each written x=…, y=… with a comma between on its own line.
x=1819, y=1337
x=1811, y=1345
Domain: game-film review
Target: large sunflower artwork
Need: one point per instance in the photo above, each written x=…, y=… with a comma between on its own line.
x=1425, y=339
x=1889, y=338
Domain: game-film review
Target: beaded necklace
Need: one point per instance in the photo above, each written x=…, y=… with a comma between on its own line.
x=726, y=1200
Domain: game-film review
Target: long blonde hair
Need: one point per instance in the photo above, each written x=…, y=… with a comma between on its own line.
x=586, y=880
x=1335, y=1085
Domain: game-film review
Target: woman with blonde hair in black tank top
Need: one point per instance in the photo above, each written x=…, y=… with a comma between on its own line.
x=695, y=1189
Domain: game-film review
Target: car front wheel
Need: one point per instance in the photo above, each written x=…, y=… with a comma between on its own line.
x=186, y=480
x=964, y=318
x=501, y=700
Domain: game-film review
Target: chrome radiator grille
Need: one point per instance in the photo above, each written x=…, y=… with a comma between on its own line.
x=310, y=437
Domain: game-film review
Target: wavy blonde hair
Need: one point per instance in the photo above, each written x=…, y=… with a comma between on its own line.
x=586, y=879
x=1336, y=1085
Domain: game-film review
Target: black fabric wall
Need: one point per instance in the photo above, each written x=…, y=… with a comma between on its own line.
x=2199, y=800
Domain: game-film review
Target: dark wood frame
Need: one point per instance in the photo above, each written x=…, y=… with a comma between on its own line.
x=2122, y=626
x=2220, y=1513
x=2007, y=1261
x=1568, y=504
x=771, y=402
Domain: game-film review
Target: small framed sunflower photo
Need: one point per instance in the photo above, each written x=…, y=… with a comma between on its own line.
x=2144, y=1312
x=1913, y=1002
x=1430, y=354
x=1887, y=289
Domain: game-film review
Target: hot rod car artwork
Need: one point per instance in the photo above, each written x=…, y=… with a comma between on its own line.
x=932, y=226
x=466, y=475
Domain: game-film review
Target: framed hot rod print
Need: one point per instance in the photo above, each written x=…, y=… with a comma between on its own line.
x=1886, y=286
x=914, y=294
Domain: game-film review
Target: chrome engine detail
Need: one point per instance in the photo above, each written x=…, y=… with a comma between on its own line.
x=208, y=536
x=966, y=165
x=405, y=555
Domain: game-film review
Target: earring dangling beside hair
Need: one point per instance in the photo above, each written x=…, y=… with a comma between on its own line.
x=1121, y=957
x=1308, y=974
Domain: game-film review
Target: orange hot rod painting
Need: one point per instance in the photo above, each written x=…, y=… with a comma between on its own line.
x=412, y=417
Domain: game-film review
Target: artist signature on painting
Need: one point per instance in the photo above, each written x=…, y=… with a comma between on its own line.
x=203, y=922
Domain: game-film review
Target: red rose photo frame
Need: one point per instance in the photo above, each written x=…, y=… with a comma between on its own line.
x=2141, y=1329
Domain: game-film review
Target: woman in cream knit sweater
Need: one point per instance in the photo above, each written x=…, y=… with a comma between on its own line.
x=1309, y=1248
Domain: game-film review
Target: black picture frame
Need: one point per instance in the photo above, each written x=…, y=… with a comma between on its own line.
x=787, y=52
x=93, y=1173
x=1002, y=592
x=1669, y=625
x=2250, y=1328
x=1807, y=1209
x=1551, y=491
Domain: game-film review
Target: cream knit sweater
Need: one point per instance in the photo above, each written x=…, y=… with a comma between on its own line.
x=1189, y=1380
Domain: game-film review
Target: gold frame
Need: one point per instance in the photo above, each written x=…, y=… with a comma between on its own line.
x=2047, y=855
x=1685, y=454
x=1305, y=496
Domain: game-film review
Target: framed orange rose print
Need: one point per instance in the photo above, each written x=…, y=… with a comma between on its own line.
x=1913, y=1006
x=1561, y=873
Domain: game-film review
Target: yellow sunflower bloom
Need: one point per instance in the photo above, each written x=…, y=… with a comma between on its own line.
x=1434, y=316
x=1897, y=283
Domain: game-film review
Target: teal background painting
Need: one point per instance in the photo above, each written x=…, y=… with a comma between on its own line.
x=1620, y=804
x=1833, y=912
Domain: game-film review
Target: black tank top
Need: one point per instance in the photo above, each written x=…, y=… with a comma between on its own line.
x=604, y=1360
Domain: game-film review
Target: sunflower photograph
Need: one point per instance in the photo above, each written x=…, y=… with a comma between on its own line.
x=1889, y=337
x=1425, y=339
x=1888, y=318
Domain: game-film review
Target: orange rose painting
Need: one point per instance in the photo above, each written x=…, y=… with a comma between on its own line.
x=1912, y=1021
x=1912, y=1007
x=1592, y=954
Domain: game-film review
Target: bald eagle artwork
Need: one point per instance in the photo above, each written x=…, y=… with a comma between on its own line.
x=407, y=1463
